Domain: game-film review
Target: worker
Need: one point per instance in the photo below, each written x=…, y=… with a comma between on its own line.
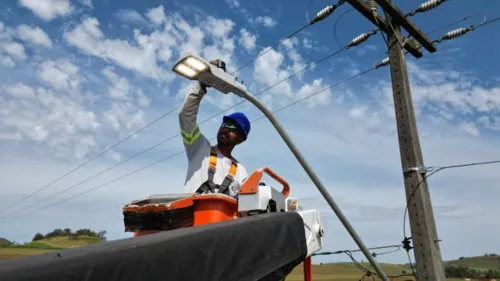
x=212, y=169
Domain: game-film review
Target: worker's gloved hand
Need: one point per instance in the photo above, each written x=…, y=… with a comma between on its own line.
x=219, y=64
x=203, y=86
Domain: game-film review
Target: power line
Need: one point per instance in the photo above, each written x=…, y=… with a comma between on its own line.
x=354, y=42
x=432, y=170
x=398, y=246
x=106, y=150
x=368, y=272
x=171, y=156
x=320, y=16
x=448, y=36
x=172, y=137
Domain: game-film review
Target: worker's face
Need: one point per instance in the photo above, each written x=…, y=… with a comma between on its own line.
x=230, y=134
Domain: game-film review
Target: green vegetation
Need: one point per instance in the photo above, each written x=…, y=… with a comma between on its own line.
x=487, y=265
x=4, y=242
x=58, y=232
x=466, y=267
x=59, y=239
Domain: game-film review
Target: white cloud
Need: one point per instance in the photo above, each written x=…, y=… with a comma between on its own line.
x=87, y=3
x=10, y=136
x=446, y=96
x=322, y=98
x=307, y=43
x=358, y=112
x=490, y=122
x=14, y=49
x=470, y=128
x=266, y=21
x=7, y=61
x=90, y=39
x=123, y=115
x=57, y=121
x=268, y=72
x=122, y=90
x=35, y=35
x=365, y=49
x=20, y=90
x=48, y=9
x=219, y=28
x=120, y=86
x=61, y=74
x=293, y=53
x=132, y=16
x=157, y=15
x=233, y=4
x=247, y=39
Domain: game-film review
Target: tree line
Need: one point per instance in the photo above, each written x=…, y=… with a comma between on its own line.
x=463, y=271
x=58, y=232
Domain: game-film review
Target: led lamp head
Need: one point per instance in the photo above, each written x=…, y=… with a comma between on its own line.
x=212, y=74
x=190, y=67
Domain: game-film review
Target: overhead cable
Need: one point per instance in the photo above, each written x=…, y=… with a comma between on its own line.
x=454, y=34
x=320, y=16
x=431, y=171
x=355, y=42
x=85, y=163
x=448, y=36
x=178, y=153
x=398, y=246
x=178, y=134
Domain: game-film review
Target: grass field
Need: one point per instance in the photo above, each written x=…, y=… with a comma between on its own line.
x=332, y=272
x=347, y=272
x=45, y=246
x=482, y=263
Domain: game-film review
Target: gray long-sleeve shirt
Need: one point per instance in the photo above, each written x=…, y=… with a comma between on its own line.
x=198, y=148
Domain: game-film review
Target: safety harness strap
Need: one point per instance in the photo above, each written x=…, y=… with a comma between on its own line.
x=209, y=185
x=212, y=164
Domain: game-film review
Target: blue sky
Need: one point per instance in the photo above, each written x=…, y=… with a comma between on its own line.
x=78, y=76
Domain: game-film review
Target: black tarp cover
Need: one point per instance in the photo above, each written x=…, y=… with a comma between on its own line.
x=263, y=247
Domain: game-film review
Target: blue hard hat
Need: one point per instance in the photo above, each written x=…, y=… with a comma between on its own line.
x=240, y=119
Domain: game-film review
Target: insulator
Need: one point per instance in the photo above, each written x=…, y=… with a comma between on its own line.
x=384, y=62
x=415, y=43
x=427, y=6
x=372, y=5
x=455, y=33
x=324, y=13
x=360, y=39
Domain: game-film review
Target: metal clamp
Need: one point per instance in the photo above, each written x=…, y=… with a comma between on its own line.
x=421, y=169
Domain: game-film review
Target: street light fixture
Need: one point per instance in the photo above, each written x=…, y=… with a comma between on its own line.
x=213, y=74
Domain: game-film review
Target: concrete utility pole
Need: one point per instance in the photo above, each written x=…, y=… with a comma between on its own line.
x=424, y=235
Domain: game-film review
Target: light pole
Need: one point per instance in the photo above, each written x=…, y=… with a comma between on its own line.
x=194, y=67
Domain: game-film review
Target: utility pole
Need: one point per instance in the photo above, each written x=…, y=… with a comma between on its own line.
x=424, y=234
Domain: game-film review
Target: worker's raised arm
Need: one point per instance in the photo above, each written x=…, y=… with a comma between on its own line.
x=191, y=135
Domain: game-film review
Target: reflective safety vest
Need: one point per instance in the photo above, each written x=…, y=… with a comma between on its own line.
x=209, y=186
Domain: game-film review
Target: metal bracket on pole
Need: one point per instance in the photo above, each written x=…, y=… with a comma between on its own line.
x=398, y=17
x=382, y=24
